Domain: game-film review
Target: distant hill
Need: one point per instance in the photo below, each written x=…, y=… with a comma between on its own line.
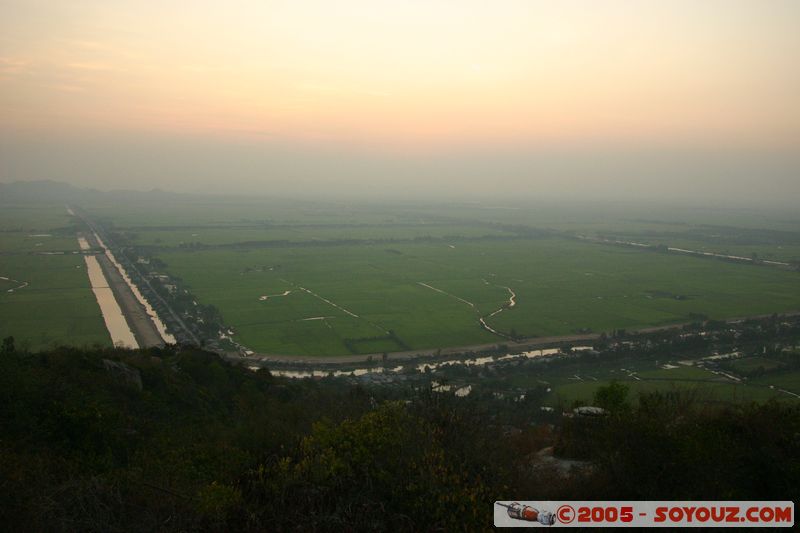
x=41, y=191
x=58, y=191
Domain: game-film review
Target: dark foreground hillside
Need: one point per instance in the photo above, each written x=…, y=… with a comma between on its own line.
x=177, y=440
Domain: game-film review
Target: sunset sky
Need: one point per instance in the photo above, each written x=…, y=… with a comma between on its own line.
x=114, y=93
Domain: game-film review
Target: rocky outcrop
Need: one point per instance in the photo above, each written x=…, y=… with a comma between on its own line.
x=123, y=373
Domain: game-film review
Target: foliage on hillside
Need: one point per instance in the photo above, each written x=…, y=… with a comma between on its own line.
x=203, y=445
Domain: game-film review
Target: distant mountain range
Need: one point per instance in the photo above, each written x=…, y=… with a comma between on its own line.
x=58, y=191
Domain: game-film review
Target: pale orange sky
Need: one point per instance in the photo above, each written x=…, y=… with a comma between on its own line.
x=406, y=71
x=402, y=77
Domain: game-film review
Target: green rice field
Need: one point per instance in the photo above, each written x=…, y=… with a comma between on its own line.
x=335, y=278
x=561, y=287
x=56, y=305
x=577, y=382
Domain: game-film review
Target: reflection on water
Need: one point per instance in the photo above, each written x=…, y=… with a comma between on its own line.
x=324, y=373
x=464, y=391
x=480, y=361
x=121, y=334
x=422, y=367
x=162, y=329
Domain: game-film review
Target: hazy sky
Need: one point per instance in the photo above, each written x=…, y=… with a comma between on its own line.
x=636, y=98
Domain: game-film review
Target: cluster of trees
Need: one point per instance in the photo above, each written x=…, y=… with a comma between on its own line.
x=672, y=446
x=169, y=439
x=779, y=362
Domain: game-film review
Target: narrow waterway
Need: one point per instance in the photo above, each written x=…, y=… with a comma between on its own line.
x=724, y=256
x=22, y=284
x=151, y=313
x=117, y=326
x=481, y=320
x=420, y=367
x=511, y=303
x=446, y=294
x=337, y=306
x=687, y=252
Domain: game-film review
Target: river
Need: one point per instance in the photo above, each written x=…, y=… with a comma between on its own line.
x=117, y=326
x=421, y=367
x=151, y=313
